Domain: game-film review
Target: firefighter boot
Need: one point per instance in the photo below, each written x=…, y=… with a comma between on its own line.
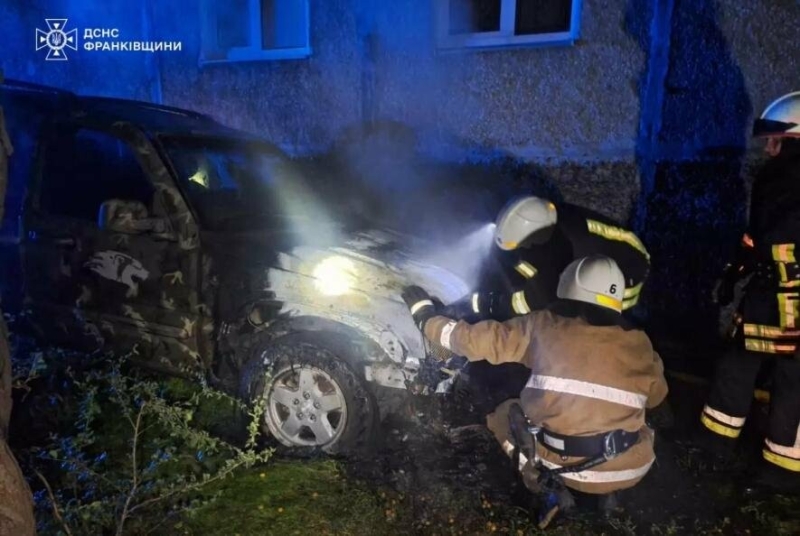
x=554, y=499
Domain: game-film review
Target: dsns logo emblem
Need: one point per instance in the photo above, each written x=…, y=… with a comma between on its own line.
x=56, y=39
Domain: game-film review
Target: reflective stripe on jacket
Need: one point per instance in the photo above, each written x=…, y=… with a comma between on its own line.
x=585, y=380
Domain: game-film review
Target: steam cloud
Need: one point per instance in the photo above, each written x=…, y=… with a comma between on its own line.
x=384, y=179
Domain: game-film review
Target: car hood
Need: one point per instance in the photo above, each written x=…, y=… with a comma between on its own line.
x=357, y=280
x=374, y=262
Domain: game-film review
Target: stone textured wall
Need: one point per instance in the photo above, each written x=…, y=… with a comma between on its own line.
x=377, y=60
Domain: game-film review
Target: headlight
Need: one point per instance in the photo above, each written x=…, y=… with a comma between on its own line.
x=334, y=276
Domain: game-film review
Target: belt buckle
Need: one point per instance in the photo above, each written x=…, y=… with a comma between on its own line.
x=534, y=431
x=610, y=446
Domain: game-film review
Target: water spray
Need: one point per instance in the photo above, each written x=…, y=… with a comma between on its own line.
x=467, y=256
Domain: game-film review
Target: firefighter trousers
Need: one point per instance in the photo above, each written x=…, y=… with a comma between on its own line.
x=731, y=395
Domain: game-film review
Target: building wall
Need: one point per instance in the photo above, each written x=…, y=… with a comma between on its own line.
x=377, y=60
x=513, y=100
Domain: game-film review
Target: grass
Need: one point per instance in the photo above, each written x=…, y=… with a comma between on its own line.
x=316, y=497
x=777, y=515
x=291, y=497
x=295, y=497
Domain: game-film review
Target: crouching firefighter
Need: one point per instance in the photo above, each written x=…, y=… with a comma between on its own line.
x=592, y=377
x=537, y=240
x=769, y=329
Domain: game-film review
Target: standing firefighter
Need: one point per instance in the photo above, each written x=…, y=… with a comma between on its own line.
x=541, y=240
x=16, y=507
x=769, y=316
x=592, y=377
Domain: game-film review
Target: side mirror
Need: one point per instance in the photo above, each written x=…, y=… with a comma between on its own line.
x=130, y=217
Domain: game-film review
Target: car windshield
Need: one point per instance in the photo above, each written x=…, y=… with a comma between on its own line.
x=238, y=185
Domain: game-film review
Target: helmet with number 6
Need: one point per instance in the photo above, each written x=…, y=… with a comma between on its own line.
x=596, y=280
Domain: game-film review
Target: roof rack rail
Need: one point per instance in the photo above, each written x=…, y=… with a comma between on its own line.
x=29, y=86
x=150, y=105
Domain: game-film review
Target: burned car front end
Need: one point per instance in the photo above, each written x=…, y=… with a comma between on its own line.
x=359, y=284
x=308, y=299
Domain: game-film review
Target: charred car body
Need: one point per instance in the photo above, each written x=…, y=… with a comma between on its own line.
x=198, y=248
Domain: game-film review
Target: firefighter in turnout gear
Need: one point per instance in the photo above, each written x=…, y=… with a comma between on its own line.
x=538, y=241
x=769, y=319
x=592, y=376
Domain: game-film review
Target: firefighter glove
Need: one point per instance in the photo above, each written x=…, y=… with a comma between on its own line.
x=467, y=308
x=420, y=304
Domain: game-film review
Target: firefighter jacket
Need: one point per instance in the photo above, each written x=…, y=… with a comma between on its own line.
x=770, y=305
x=534, y=270
x=586, y=379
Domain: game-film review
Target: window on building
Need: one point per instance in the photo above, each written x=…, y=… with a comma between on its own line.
x=252, y=30
x=84, y=169
x=506, y=23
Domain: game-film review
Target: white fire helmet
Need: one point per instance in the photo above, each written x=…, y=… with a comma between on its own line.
x=520, y=220
x=780, y=119
x=596, y=279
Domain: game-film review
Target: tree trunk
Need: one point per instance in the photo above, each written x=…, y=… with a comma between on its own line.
x=16, y=501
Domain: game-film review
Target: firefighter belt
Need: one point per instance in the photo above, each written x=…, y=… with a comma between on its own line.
x=597, y=448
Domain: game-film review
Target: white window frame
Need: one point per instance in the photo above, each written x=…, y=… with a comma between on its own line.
x=210, y=52
x=504, y=38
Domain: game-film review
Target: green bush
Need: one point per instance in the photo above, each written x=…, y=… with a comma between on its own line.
x=136, y=453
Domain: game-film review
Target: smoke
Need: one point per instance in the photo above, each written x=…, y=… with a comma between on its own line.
x=382, y=176
x=306, y=211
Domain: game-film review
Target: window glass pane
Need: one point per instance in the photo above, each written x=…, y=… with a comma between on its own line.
x=474, y=16
x=85, y=168
x=232, y=23
x=542, y=16
x=237, y=185
x=283, y=24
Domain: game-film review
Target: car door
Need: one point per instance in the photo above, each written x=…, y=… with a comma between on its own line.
x=95, y=286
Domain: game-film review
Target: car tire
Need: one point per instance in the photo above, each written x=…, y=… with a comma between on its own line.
x=305, y=381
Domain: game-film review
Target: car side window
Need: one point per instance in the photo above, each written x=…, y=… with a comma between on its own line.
x=83, y=168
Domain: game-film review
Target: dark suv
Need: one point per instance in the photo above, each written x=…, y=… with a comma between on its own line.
x=198, y=248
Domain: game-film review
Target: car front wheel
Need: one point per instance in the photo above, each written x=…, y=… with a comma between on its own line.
x=311, y=397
